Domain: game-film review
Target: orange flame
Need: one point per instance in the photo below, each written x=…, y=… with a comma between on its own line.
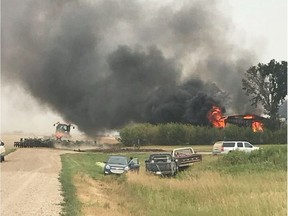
x=248, y=117
x=257, y=126
x=216, y=117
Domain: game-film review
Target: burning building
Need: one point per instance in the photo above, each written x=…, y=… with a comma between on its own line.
x=253, y=121
x=217, y=119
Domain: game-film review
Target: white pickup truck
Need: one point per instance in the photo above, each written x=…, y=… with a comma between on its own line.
x=185, y=156
x=2, y=151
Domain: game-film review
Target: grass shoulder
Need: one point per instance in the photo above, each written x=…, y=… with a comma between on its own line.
x=211, y=187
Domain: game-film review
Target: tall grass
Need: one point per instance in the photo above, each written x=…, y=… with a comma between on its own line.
x=72, y=165
x=207, y=188
x=269, y=158
x=209, y=193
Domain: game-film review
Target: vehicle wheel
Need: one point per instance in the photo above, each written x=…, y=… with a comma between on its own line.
x=175, y=171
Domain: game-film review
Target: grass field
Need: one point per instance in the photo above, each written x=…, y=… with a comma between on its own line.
x=207, y=188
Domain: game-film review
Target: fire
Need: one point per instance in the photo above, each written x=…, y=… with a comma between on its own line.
x=257, y=126
x=248, y=117
x=216, y=117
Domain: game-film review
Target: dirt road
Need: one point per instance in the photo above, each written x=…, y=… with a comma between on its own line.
x=29, y=183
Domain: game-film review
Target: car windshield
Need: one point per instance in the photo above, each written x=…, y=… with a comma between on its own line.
x=118, y=160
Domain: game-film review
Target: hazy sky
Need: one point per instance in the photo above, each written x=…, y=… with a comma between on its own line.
x=258, y=25
x=262, y=25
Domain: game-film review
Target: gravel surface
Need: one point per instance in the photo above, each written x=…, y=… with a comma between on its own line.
x=29, y=183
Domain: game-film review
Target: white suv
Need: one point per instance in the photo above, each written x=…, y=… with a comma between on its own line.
x=2, y=151
x=224, y=147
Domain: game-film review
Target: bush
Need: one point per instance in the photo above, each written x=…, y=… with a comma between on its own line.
x=172, y=134
x=180, y=134
x=270, y=157
x=235, y=158
x=142, y=133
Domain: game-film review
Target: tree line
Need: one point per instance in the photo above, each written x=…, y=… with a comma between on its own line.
x=186, y=134
x=264, y=84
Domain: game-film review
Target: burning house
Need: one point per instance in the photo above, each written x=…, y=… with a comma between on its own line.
x=217, y=119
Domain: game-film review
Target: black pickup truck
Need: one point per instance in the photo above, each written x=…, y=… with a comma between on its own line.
x=161, y=164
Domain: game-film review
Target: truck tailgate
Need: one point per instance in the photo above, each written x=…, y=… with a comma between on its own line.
x=185, y=161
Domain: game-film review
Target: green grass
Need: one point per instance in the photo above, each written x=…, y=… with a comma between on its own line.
x=73, y=164
x=210, y=194
x=211, y=187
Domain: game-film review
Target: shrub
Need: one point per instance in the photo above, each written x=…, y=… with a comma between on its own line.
x=235, y=157
x=142, y=133
x=180, y=134
x=270, y=157
x=172, y=134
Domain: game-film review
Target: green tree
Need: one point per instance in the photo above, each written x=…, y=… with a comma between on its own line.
x=266, y=84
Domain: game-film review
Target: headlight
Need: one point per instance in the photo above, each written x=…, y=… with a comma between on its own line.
x=126, y=168
x=107, y=167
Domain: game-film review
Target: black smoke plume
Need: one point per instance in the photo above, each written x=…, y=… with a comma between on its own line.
x=102, y=64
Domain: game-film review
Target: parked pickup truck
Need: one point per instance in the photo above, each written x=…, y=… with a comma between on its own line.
x=185, y=156
x=161, y=164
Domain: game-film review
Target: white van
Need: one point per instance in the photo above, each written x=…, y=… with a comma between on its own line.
x=224, y=147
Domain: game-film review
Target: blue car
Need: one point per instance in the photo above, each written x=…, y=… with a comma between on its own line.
x=119, y=165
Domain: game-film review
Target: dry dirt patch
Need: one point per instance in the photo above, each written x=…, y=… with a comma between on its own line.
x=97, y=197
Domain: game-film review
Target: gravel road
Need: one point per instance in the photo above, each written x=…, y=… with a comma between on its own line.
x=29, y=183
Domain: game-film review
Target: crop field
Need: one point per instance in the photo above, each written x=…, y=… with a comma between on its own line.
x=215, y=186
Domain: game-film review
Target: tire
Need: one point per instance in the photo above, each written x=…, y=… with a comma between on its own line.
x=177, y=169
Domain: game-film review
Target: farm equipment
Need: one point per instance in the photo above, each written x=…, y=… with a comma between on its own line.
x=34, y=142
x=62, y=130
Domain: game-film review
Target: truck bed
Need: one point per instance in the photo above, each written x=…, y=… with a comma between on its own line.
x=164, y=168
x=161, y=164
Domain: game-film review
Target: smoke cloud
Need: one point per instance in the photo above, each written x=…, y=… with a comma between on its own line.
x=102, y=64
